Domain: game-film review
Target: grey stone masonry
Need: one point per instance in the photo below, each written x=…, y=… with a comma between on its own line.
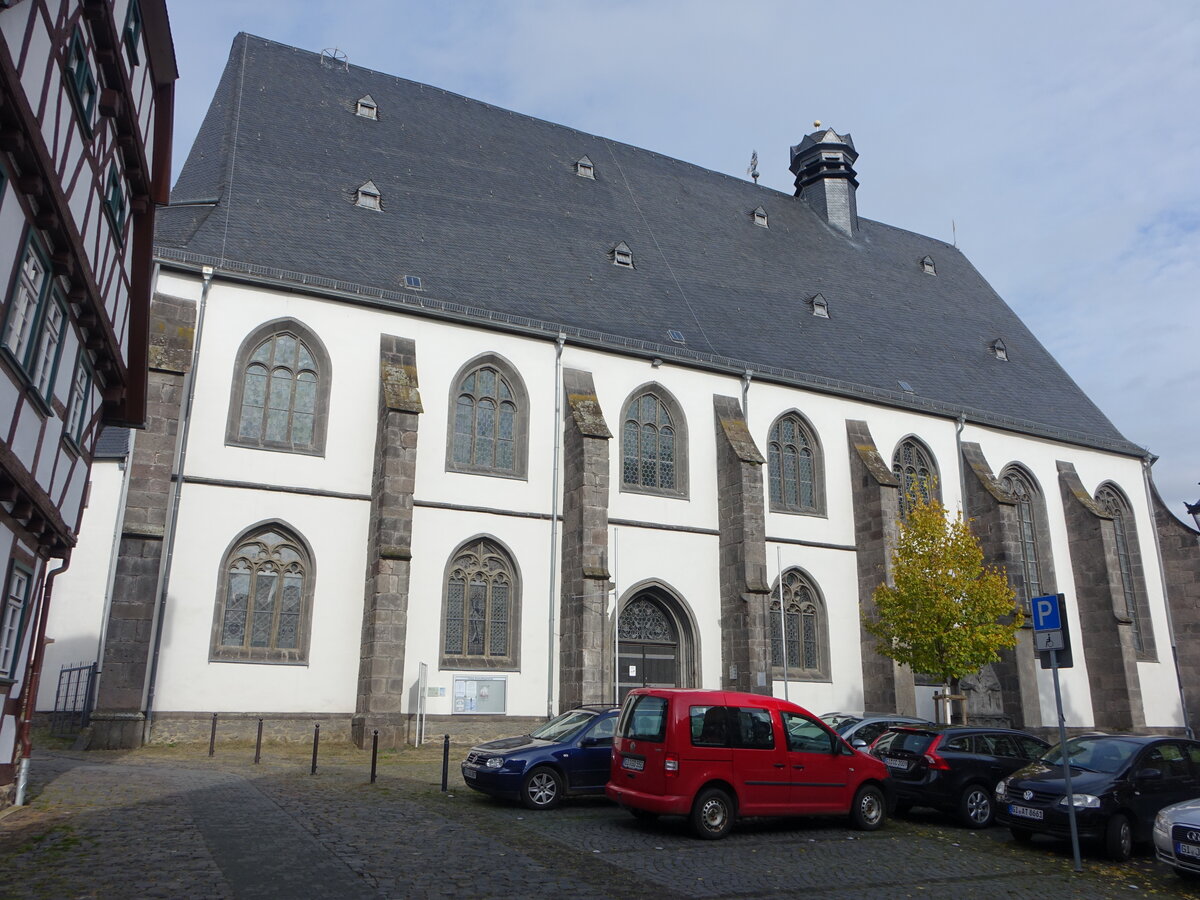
x=993, y=516
x=1180, y=547
x=380, y=702
x=1105, y=630
x=745, y=635
x=887, y=685
x=117, y=721
x=585, y=648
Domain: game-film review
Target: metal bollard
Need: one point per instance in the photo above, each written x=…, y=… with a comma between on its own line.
x=316, y=743
x=258, y=744
x=212, y=737
x=374, y=753
x=445, y=760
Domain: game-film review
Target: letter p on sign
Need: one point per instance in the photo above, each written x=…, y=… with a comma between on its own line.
x=1045, y=613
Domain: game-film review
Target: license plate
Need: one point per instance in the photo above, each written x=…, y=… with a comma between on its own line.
x=468, y=773
x=894, y=763
x=636, y=765
x=1025, y=812
x=1182, y=849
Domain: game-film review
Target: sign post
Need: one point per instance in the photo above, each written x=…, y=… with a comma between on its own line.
x=1051, y=635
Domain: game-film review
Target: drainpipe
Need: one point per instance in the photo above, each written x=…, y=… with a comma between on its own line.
x=962, y=470
x=164, y=571
x=550, y=648
x=33, y=672
x=1147, y=460
x=746, y=376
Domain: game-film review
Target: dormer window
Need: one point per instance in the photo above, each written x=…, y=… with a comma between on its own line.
x=584, y=168
x=927, y=266
x=999, y=350
x=820, y=306
x=366, y=108
x=760, y=217
x=622, y=255
x=368, y=197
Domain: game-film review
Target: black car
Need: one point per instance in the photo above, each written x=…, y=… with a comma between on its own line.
x=1118, y=782
x=860, y=731
x=953, y=768
x=569, y=755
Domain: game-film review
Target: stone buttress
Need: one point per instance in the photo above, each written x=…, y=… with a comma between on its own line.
x=887, y=685
x=381, y=698
x=1180, y=548
x=745, y=634
x=585, y=646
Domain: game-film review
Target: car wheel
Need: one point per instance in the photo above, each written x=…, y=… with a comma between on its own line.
x=1021, y=836
x=542, y=789
x=869, y=810
x=975, y=806
x=712, y=814
x=1118, y=838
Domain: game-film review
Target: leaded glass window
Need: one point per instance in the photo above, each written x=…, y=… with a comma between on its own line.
x=281, y=392
x=648, y=444
x=646, y=621
x=480, y=605
x=486, y=412
x=798, y=629
x=265, y=600
x=1114, y=506
x=793, y=467
x=914, y=470
x=1020, y=489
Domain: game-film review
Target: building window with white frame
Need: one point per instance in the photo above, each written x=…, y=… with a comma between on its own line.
x=36, y=321
x=77, y=404
x=81, y=81
x=16, y=599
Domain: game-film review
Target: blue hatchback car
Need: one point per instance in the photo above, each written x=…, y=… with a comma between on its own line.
x=569, y=755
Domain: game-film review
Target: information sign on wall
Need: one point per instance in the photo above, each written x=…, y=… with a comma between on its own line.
x=480, y=694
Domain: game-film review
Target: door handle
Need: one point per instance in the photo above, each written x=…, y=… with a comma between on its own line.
x=779, y=765
x=797, y=767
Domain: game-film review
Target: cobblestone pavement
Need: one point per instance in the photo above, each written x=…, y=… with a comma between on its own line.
x=171, y=822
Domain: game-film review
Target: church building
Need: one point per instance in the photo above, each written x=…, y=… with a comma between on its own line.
x=461, y=415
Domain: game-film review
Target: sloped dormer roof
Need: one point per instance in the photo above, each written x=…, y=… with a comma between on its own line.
x=486, y=205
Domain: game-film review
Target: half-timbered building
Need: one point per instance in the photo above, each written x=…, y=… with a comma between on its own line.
x=464, y=412
x=85, y=136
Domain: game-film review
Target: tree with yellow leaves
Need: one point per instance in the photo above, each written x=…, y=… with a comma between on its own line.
x=946, y=613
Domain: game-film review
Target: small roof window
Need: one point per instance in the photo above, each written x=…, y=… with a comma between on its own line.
x=413, y=282
x=820, y=306
x=906, y=387
x=584, y=168
x=999, y=350
x=760, y=217
x=368, y=197
x=366, y=107
x=927, y=266
x=622, y=255
x=676, y=336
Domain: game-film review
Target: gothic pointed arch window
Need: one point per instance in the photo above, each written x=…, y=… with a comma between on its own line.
x=1112, y=503
x=280, y=394
x=654, y=453
x=1030, y=524
x=914, y=468
x=794, y=468
x=489, y=419
x=264, y=599
x=799, y=629
x=481, y=609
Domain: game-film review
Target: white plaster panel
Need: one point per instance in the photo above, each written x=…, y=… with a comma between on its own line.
x=78, y=605
x=37, y=67
x=24, y=443
x=210, y=519
x=10, y=393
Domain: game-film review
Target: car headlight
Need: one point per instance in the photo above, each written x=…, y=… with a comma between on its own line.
x=1082, y=801
x=495, y=762
x=1161, y=825
x=1002, y=789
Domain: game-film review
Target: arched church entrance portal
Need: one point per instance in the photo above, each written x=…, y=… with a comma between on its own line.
x=650, y=651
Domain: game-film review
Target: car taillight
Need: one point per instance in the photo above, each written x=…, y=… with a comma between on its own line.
x=933, y=760
x=671, y=765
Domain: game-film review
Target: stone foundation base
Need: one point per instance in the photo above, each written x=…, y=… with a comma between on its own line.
x=116, y=730
x=401, y=729
x=196, y=727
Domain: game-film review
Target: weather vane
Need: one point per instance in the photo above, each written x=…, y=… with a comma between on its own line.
x=752, y=169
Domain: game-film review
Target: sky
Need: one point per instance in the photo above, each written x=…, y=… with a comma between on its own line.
x=1057, y=142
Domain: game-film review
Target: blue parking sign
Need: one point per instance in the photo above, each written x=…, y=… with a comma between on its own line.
x=1046, y=613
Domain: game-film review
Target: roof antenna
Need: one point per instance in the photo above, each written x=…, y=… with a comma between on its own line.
x=752, y=169
x=954, y=231
x=333, y=58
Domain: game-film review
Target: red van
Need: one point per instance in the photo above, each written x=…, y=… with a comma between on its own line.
x=716, y=755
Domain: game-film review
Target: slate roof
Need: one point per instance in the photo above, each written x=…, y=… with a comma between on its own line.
x=485, y=206
x=113, y=443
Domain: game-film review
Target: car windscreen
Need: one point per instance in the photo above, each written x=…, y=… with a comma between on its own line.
x=903, y=741
x=644, y=718
x=560, y=726
x=840, y=723
x=1096, y=753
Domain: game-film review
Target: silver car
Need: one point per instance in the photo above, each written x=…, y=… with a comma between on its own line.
x=860, y=730
x=1177, y=836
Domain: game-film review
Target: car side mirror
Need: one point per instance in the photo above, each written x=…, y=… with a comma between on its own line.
x=596, y=742
x=859, y=744
x=1149, y=775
